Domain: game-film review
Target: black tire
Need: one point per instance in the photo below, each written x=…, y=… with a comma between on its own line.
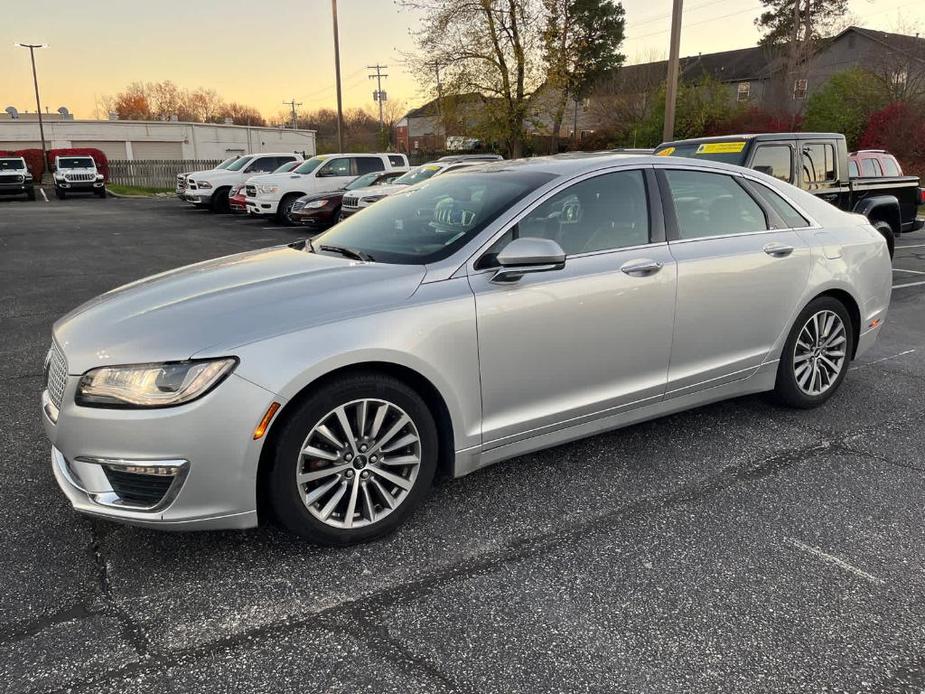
x=787, y=391
x=60, y=194
x=284, y=209
x=101, y=193
x=284, y=495
x=30, y=194
x=887, y=232
x=218, y=203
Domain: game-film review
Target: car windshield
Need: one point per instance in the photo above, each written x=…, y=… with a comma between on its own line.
x=228, y=162
x=729, y=152
x=288, y=166
x=12, y=164
x=363, y=181
x=239, y=164
x=75, y=163
x=309, y=165
x=422, y=173
x=429, y=222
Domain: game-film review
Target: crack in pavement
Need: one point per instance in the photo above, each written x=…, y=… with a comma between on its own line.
x=517, y=550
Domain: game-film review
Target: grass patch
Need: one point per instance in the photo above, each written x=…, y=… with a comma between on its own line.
x=136, y=190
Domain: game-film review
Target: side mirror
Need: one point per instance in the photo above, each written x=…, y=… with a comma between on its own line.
x=528, y=255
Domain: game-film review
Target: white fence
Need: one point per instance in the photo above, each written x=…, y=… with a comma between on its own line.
x=155, y=173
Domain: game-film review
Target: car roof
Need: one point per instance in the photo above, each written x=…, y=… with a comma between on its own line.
x=757, y=137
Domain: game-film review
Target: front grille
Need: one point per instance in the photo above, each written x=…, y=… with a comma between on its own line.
x=56, y=374
x=181, y=182
x=136, y=487
x=79, y=177
x=11, y=178
x=251, y=191
x=350, y=201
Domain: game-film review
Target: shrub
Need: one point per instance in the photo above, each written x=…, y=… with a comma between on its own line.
x=899, y=128
x=844, y=104
x=102, y=163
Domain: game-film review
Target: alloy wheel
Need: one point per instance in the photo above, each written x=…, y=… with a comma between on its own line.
x=819, y=353
x=358, y=463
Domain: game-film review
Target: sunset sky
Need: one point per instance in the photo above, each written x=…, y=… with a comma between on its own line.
x=262, y=52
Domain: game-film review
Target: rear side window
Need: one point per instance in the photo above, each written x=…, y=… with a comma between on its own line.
x=853, y=169
x=890, y=167
x=367, y=165
x=396, y=160
x=774, y=160
x=818, y=163
x=791, y=218
x=709, y=204
x=870, y=167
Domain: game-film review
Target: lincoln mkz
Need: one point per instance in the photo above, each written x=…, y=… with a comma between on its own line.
x=478, y=316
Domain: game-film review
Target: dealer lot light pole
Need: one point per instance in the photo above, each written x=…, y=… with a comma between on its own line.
x=38, y=102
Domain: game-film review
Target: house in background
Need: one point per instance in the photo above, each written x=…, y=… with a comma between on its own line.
x=426, y=128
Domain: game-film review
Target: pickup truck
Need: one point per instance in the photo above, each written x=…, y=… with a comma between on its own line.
x=817, y=163
x=210, y=189
x=15, y=178
x=78, y=174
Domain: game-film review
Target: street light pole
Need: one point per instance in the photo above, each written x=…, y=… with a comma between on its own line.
x=340, y=108
x=671, y=94
x=38, y=103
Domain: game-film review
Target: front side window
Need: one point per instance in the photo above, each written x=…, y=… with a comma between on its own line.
x=709, y=204
x=601, y=213
x=228, y=162
x=430, y=222
x=335, y=167
x=239, y=164
x=263, y=165
x=774, y=160
x=369, y=164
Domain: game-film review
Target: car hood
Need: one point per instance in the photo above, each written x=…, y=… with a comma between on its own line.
x=377, y=190
x=323, y=196
x=223, y=303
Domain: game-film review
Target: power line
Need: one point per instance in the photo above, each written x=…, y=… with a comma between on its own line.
x=293, y=104
x=378, y=95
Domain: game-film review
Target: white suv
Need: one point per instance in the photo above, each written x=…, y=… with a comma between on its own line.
x=275, y=195
x=210, y=188
x=181, y=177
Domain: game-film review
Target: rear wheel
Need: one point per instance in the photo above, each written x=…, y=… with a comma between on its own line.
x=354, y=461
x=284, y=210
x=887, y=232
x=816, y=354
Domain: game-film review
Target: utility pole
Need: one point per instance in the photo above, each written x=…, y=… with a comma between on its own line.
x=38, y=103
x=292, y=104
x=379, y=95
x=340, y=107
x=671, y=95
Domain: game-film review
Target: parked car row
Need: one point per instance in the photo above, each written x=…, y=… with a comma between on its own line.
x=316, y=192
x=73, y=174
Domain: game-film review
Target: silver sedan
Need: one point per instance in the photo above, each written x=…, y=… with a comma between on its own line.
x=466, y=320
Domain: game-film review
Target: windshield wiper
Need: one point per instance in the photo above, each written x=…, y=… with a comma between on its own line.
x=348, y=253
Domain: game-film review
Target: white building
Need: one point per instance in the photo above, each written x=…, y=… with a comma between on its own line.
x=124, y=139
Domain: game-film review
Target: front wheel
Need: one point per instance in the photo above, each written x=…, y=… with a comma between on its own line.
x=219, y=202
x=284, y=210
x=816, y=354
x=60, y=194
x=886, y=231
x=101, y=193
x=354, y=461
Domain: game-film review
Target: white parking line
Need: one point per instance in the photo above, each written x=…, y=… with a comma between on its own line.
x=840, y=563
x=914, y=272
x=42, y=191
x=908, y=284
x=917, y=245
x=274, y=228
x=877, y=361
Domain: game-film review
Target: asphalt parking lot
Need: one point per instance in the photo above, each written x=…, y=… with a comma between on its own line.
x=736, y=548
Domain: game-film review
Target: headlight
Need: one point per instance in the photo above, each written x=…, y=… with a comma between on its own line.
x=370, y=199
x=267, y=189
x=203, y=184
x=151, y=385
x=315, y=204
x=99, y=177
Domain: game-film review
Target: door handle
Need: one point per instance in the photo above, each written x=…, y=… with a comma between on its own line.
x=778, y=250
x=641, y=268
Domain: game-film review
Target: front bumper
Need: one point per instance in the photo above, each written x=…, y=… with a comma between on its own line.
x=204, y=450
x=80, y=186
x=261, y=206
x=198, y=196
x=15, y=188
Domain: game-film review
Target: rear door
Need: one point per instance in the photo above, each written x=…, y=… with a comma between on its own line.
x=741, y=273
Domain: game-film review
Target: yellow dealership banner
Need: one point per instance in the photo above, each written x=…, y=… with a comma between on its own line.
x=720, y=148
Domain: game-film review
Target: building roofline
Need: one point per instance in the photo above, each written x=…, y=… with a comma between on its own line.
x=97, y=121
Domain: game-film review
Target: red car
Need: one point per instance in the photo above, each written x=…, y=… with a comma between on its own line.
x=236, y=194
x=872, y=163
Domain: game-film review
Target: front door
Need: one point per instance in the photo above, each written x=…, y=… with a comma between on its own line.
x=562, y=347
x=740, y=277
